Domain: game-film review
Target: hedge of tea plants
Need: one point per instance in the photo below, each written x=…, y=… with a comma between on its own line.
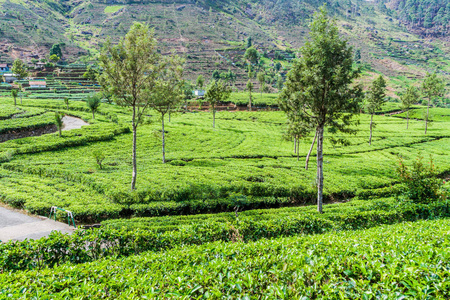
x=122, y=239
x=403, y=261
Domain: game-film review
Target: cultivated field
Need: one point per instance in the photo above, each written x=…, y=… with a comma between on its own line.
x=246, y=157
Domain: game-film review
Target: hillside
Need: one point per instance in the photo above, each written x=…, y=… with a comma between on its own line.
x=401, y=39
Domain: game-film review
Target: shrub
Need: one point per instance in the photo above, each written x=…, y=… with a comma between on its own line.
x=421, y=182
x=99, y=157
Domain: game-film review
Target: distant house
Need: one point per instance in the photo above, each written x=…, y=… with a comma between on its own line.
x=4, y=68
x=199, y=93
x=9, y=78
x=39, y=65
x=38, y=84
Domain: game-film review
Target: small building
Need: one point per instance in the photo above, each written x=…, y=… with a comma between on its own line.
x=39, y=65
x=9, y=77
x=199, y=93
x=41, y=84
x=4, y=68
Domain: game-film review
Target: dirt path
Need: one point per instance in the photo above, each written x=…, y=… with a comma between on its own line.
x=72, y=123
x=17, y=226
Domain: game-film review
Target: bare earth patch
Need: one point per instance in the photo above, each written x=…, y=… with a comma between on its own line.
x=72, y=123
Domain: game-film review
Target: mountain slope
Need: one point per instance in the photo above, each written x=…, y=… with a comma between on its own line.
x=394, y=38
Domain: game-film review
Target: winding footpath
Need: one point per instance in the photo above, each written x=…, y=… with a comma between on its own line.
x=15, y=225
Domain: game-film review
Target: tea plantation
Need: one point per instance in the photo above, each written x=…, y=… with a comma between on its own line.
x=229, y=214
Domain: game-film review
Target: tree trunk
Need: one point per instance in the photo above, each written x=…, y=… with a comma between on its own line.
x=163, y=141
x=310, y=150
x=169, y=117
x=15, y=103
x=134, y=125
x=320, y=169
x=20, y=99
x=407, y=119
x=59, y=128
x=93, y=116
x=371, y=124
x=426, y=118
x=214, y=118
x=298, y=150
x=295, y=144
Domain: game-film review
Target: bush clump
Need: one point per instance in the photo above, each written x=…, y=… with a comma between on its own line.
x=421, y=181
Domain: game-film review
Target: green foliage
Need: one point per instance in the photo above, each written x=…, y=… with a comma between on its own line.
x=124, y=238
x=432, y=87
x=130, y=71
x=200, y=81
x=422, y=184
x=54, y=58
x=93, y=103
x=249, y=42
x=58, y=121
x=425, y=14
x=91, y=74
x=56, y=50
x=410, y=97
x=99, y=157
x=66, y=102
x=216, y=92
x=252, y=55
x=25, y=124
x=20, y=69
x=14, y=94
x=377, y=95
x=318, y=91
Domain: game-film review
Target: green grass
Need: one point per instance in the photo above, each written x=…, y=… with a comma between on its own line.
x=408, y=261
x=112, y=9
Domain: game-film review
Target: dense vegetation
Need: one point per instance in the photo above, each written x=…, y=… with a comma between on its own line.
x=246, y=155
x=226, y=212
x=426, y=14
x=382, y=262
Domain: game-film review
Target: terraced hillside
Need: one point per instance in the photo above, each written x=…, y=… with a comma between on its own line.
x=204, y=30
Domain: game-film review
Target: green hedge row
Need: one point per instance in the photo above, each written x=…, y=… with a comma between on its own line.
x=403, y=261
x=85, y=246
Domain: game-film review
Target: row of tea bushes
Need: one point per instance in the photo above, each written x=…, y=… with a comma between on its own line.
x=403, y=261
x=85, y=246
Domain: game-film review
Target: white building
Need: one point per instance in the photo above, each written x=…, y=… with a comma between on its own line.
x=199, y=93
x=9, y=78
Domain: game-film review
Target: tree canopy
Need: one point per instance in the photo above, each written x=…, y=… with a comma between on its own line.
x=319, y=90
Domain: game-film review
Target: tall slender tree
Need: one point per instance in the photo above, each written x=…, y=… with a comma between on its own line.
x=14, y=94
x=432, y=87
x=262, y=81
x=410, y=97
x=200, y=81
x=168, y=93
x=320, y=88
x=249, y=88
x=216, y=92
x=376, y=98
x=130, y=72
x=59, y=121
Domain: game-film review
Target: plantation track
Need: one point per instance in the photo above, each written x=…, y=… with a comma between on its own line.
x=17, y=226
